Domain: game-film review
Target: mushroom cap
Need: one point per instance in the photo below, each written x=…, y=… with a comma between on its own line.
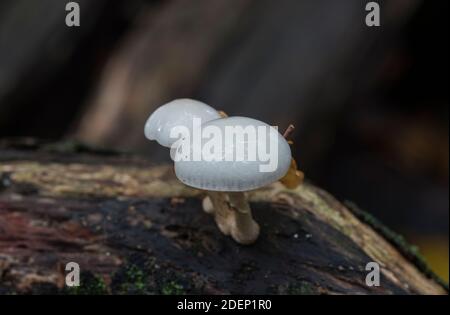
x=236, y=175
x=179, y=112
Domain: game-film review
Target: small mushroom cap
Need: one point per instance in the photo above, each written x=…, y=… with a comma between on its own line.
x=179, y=112
x=234, y=175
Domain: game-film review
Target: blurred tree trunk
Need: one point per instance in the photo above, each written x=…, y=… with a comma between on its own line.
x=167, y=54
x=279, y=61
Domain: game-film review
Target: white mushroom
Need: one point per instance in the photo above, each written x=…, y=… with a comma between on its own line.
x=179, y=112
x=224, y=165
x=226, y=177
x=226, y=172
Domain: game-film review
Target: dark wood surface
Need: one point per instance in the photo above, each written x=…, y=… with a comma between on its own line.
x=134, y=229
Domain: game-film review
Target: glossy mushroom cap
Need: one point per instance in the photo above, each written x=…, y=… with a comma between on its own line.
x=179, y=112
x=225, y=175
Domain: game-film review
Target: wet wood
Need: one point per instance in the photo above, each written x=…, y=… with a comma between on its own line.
x=134, y=229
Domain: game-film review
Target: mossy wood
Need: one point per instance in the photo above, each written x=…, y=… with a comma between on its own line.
x=134, y=229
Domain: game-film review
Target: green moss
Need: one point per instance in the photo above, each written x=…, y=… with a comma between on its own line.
x=172, y=288
x=134, y=281
x=301, y=288
x=90, y=284
x=144, y=275
x=409, y=251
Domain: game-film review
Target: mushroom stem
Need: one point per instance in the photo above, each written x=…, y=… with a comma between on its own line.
x=233, y=215
x=216, y=203
x=245, y=230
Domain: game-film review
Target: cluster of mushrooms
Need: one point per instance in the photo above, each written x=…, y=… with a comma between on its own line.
x=224, y=182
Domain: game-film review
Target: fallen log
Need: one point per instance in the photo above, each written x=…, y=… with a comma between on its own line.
x=133, y=228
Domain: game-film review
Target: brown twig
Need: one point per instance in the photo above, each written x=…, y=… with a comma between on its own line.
x=288, y=131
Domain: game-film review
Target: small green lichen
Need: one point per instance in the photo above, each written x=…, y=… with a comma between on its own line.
x=301, y=288
x=135, y=281
x=172, y=288
x=90, y=284
x=145, y=275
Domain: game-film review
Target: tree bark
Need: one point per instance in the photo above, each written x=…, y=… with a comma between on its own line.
x=135, y=229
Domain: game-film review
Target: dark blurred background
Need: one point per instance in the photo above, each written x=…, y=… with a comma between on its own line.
x=370, y=105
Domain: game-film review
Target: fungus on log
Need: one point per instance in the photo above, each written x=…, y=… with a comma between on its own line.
x=134, y=228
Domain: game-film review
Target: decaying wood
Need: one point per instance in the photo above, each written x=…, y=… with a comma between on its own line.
x=133, y=228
